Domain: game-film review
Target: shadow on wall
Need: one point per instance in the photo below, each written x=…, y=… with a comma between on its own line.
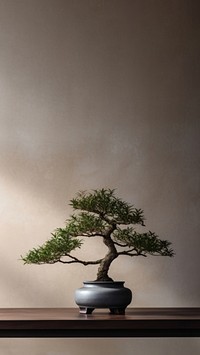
x=19, y=288
x=23, y=286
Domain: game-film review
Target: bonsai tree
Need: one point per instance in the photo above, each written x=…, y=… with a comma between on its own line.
x=102, y=215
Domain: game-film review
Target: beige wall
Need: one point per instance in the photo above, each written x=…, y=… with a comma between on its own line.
x=99, y=93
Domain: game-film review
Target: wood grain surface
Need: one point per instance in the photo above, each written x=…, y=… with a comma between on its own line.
x=68, y=322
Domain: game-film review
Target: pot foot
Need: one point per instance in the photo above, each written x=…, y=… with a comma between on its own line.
x=117, y=310
x=86, y=310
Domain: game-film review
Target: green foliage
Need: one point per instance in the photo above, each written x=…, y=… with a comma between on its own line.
x=85, y=223
x=143, y=243
x=50, y=252
x=100, y=214
x=104, y=203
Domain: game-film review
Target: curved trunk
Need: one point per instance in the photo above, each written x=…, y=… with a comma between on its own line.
x=102, y=274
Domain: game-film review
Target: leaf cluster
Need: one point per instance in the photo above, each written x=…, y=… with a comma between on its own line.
x=142, y=243
x=61, y=244
x=109, y=207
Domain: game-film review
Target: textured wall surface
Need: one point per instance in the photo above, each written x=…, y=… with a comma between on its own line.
x=99, y=93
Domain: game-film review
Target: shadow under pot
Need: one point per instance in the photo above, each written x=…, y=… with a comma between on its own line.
x=103, y=294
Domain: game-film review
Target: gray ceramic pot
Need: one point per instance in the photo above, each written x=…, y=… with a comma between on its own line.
x=103, y=294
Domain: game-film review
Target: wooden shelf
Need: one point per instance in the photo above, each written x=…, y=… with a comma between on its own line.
x=68, y=322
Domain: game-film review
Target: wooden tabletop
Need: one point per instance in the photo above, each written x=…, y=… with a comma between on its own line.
x=68, y=322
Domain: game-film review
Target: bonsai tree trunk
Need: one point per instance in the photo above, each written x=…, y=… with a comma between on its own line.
x=102, y=274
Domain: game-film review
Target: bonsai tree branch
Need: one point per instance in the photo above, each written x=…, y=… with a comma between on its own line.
x=89, y=235
x=76, y=260
x=131, y=253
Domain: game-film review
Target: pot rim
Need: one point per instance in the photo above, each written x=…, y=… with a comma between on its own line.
x=103, y=282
